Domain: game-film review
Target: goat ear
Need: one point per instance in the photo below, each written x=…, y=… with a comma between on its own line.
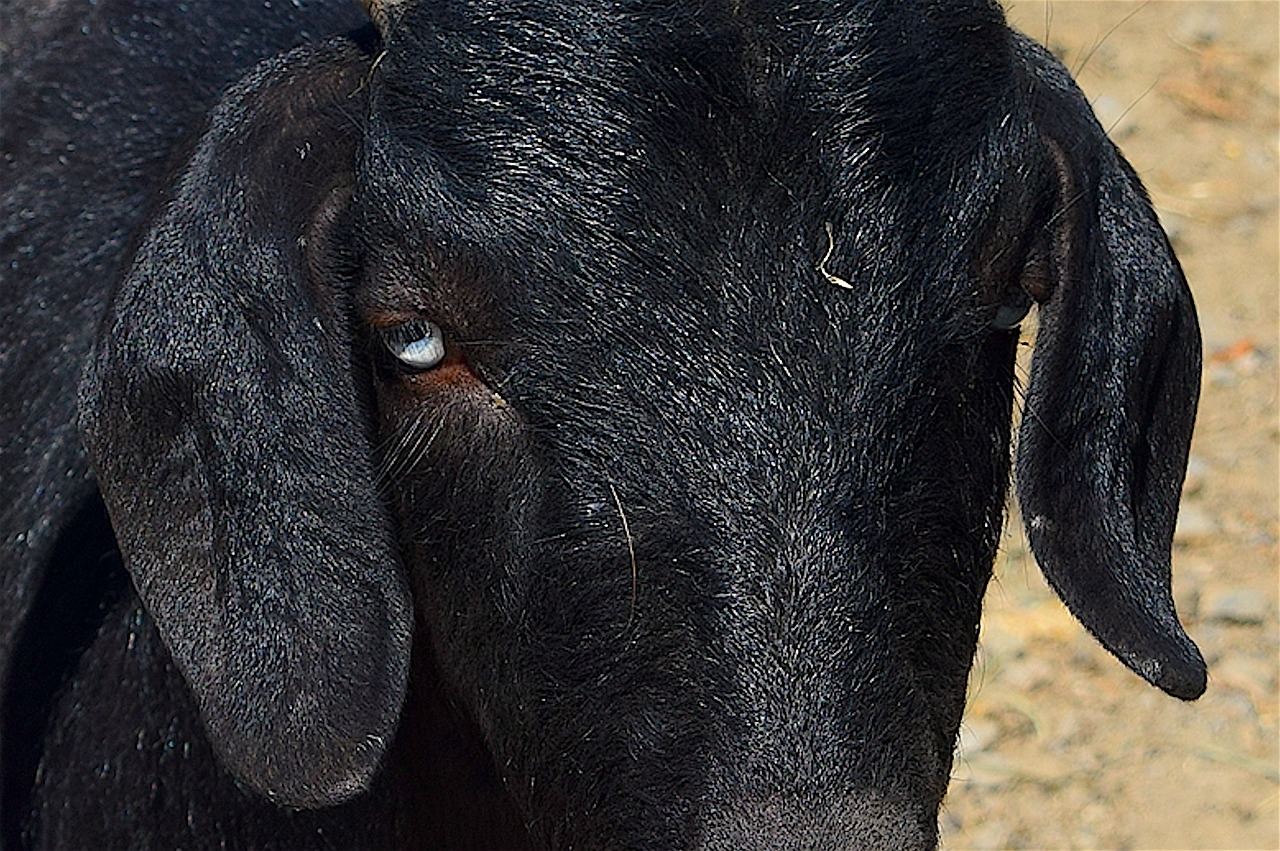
x=1115, y=378
x=224, y=421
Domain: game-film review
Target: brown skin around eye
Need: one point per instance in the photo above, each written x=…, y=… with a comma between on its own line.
x=431, y=420
x=451, y=375
x=407, y=399
x=405, y=394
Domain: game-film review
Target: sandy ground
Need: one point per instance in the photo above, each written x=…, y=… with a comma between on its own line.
x=1063, y=747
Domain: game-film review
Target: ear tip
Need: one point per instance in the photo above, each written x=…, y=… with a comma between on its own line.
x=328, y=770
x=1188, y=688
x=313, y=735
x=1177, y=668
x=1185, y=678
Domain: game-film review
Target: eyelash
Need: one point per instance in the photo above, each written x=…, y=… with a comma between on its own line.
x=415, y=346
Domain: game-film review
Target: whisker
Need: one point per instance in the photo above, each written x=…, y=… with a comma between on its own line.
x=1021, y=388
x=411, y=443
x=388, y=451
x=424, y=442
x=631, y=551
x=1137, y=101
x=1098, y=44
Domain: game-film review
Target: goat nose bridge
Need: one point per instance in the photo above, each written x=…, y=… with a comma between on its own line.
x=866, y=821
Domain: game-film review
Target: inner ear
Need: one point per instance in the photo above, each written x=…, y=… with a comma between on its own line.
x=1027, y=248
x=330, y=251
x=1015, y=262
x=1063, y=210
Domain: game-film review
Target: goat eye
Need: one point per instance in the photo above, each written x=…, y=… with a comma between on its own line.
x=416, y=344
x=1010, y=314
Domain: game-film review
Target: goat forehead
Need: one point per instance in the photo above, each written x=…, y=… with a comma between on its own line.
x=587, y=107
x=647, y=196
x=727, y=52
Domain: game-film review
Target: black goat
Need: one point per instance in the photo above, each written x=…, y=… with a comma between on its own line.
x=568, y=425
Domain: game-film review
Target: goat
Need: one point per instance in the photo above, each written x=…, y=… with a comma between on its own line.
x=553, y=425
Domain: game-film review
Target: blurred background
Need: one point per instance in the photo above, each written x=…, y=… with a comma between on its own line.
x=1062, y=747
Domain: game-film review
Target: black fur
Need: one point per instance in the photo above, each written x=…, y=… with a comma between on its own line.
x=684, y=543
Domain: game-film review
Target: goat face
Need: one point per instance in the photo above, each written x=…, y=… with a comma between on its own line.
x=670, y=354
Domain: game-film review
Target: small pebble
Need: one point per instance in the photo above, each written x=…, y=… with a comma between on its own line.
x=1028, y=674
x=1086, y=838
x=985, y=771
x=992, y=836
x=1200, y=27
x=976, y=735
x=1234, y=605
x=1195, y=524
x=999, y=644
x=1255, y=676
x=1115, y=117
x=1223, y=376
x=1194, y=569
x=1249, y=363
x=1197, y=473
x=1244, y=224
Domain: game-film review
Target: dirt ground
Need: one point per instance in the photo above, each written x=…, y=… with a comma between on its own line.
x=1063, y=747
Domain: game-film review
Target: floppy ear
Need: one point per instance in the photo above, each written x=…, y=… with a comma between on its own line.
x=225, y=425
x=1114, y=382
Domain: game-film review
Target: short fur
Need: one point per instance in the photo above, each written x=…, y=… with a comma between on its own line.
x=683, y=545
